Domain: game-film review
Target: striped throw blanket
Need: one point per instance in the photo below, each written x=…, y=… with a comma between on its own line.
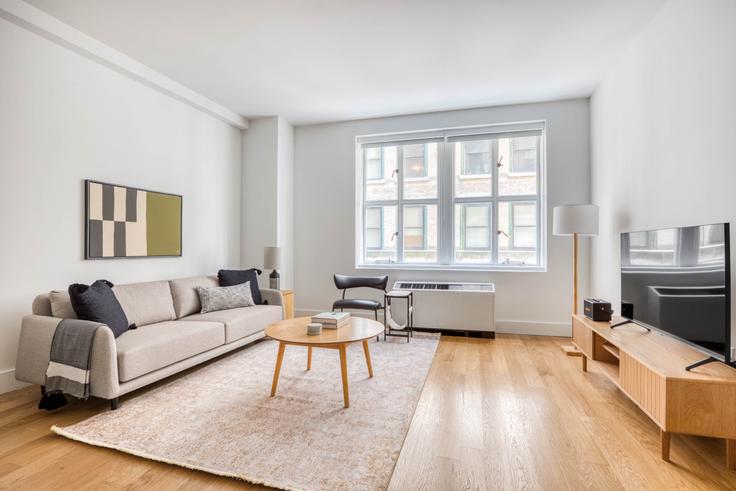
x=68, y=370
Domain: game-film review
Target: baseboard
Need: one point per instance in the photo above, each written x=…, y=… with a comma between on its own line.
x=532, y=328
x=8, y=382
x=535, y=328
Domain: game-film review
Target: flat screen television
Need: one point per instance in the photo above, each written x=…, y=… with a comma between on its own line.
x=677, y=281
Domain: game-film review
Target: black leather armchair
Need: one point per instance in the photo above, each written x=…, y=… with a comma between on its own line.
x=344, y=283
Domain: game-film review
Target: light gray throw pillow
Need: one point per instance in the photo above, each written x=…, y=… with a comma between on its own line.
x=224, y=297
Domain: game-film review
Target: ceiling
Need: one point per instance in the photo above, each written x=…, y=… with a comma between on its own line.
x=315, y=61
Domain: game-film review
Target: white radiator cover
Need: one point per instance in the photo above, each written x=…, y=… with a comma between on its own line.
x=449, y=305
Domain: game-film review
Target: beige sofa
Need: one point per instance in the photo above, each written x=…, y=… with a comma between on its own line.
x=171, y=336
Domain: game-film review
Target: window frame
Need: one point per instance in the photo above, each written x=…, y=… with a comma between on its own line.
x=446, y=200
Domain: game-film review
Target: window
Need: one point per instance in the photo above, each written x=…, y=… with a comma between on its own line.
x=523, y=155
x=415, y=161
x=374, y=228
x=476, y=158
x=459, y=198
x=374, y=163
x=523, y=226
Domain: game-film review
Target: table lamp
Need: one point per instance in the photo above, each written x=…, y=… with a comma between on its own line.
x=272, y=260
x=575, y=220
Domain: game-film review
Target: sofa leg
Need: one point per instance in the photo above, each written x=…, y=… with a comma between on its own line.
x=114, y=404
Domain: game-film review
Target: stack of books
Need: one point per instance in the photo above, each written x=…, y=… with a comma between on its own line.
x=332, y=320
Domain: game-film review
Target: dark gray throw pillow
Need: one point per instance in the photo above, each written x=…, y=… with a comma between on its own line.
x=98, y=303
x=232, y=277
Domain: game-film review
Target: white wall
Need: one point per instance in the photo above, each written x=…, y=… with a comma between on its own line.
x=663, y=125
x=64, y=118
x=324, y=171
x=268, y=216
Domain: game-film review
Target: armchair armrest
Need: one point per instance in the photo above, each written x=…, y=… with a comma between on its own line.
x=34, y=351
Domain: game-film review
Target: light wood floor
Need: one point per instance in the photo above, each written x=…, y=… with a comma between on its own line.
x=510, y=413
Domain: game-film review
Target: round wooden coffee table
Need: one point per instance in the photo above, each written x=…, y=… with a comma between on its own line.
x=294, y=332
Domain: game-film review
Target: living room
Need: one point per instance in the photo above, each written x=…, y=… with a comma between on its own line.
x=450, y=205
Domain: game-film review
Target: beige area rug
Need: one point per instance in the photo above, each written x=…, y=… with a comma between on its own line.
x=220, y=418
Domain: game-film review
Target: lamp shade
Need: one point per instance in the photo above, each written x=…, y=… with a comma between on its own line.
x=271, y=257
x=575, y=219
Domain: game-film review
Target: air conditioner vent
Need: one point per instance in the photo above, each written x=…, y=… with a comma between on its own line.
x=450, y=305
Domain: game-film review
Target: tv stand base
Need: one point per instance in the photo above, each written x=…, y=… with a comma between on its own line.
x=628, y=321
x=700, y=363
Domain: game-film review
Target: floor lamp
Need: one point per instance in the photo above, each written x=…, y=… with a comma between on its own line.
x=575, y=220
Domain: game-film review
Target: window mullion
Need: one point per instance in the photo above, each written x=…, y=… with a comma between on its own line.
x=494, y=202
x=400, y=202
x=445, y=215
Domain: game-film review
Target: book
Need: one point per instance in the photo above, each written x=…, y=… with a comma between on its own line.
x=340, y=324
x=331, y=317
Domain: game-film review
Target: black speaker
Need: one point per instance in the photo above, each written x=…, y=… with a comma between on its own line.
x=597, y=309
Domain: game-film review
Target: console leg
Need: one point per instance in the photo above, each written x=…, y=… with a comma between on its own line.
x=114, y=404
x=700, y=363
x=731, y=455
x=664, y=440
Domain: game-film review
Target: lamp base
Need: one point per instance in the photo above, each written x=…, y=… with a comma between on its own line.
x=274, y=280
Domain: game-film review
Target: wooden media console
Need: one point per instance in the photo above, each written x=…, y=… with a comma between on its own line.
x=649, y=367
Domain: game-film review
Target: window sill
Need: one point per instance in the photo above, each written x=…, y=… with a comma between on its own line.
x=453, y=267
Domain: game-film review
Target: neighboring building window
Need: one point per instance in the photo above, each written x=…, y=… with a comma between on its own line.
x=415, y=223
x=374, y=163
x=415, y=161
x=374, y=228
x=524, y=154
x=476, y=157
x=523, y=226
x=476, y=227
x=438, y=198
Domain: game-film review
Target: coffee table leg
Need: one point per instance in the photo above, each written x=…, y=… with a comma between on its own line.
x=344, y=371
x=309, y=357
x=277, y=369
x=367, y=357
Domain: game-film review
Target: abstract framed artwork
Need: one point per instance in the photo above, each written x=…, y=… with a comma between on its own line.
x=125, y=222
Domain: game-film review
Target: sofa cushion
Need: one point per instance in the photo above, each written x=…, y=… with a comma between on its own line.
x=61, y=305
x=146, y=303
x=184, y=293
x=241, y=322
x=155, y=346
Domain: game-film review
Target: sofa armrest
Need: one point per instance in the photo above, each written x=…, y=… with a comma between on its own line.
x=273, y=297
x=34, y=350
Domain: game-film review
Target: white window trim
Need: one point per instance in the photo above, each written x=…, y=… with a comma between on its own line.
x=446, y=200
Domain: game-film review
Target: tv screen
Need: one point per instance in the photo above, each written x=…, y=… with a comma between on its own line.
x=676, y=280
